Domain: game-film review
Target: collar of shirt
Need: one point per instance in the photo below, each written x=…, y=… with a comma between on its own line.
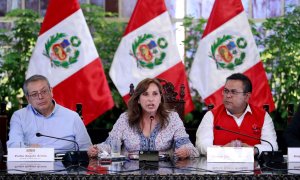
x=39, y=114
x=240, y=119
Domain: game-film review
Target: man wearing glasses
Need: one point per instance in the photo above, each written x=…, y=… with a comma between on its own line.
x=43, y=115
x=237, y=115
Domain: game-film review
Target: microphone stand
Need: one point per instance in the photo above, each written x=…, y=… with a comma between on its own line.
x=265, y=156
x=149, y=159
x=70, y=156
x=77, y=145
x=246, y=135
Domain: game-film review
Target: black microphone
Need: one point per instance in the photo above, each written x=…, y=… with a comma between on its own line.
x=265, y=156
x=151, y=119
x=70, y=156
x=42, y=135
x=221, y=128
x=149, y=155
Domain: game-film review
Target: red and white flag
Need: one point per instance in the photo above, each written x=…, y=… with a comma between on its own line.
x=227, y=46
x=148, y=49
x=65, y=53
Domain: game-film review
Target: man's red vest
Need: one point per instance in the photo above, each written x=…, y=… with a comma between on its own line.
x=251, y=125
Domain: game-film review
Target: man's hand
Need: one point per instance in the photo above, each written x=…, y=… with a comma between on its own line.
x=236, y=143
x=93, y=151
x=246, y=145
x=35, y=146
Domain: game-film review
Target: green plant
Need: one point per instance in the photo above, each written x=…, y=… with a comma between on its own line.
x=16, y=45
x=281, y=55
x=194, y=30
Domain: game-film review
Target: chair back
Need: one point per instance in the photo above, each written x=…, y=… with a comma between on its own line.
x=3, y=125
x=172, y=101
x=290, y=113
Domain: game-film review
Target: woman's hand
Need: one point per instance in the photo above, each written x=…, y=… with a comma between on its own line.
x=182, y=153
x=93, y=151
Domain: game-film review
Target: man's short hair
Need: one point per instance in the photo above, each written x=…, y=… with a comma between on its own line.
x=34, y=78
x=246, y=81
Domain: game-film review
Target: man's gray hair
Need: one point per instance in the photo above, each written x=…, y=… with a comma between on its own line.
x=34, y=78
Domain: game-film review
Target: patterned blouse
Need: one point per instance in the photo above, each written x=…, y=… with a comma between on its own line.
x=173, y=136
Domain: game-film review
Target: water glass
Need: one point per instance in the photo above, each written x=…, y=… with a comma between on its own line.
x=115, y=147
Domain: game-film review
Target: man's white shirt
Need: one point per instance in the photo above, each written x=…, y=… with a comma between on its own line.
x=205, y=132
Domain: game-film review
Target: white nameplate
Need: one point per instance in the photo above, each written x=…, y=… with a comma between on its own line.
x=30, y=154
x=248, y=166
x=294, y=168
x=293, y=154
x=230, y=154
x=23, y=167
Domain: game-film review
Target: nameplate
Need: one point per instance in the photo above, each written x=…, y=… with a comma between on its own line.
x=293, y=154
x=243, y=167
x=30, y=154
x=294, y=168
x=14, y=167
x=230, y=154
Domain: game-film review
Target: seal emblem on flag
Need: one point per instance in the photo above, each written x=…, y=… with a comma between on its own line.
x=228, y=51
x=149, y=51
x=62, y=50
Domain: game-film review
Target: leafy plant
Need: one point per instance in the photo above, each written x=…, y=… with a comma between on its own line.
x=281, y=55
x=194, y=30
x=16, y=45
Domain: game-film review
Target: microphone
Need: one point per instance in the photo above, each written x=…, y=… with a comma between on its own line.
x=42, y=135
x=265, y=156
x=149, y=155
x=221, y=128
x=70, y=156
x=151, y=119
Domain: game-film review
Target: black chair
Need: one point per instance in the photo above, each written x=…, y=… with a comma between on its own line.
x=3, y=126
x=1, y=151
x=173, y=103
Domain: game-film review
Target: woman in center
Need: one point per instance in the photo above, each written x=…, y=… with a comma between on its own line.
x=149, y=125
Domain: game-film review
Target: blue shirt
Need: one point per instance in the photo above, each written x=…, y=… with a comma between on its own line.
x=61, y=123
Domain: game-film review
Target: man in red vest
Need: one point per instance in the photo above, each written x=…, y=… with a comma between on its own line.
x=236, y=114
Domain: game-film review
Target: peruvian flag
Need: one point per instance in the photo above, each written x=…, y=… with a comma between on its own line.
x=65, y=53
x=228, y=47
x=148, y=49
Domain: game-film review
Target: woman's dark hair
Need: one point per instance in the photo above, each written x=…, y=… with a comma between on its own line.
x=135, y=110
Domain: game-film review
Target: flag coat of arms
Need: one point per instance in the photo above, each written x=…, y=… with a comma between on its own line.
x=148, y=49
x=65, y=53
x=226, y=47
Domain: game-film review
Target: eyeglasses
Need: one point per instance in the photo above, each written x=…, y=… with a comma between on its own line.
x=35, y=95
x=232, y=91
